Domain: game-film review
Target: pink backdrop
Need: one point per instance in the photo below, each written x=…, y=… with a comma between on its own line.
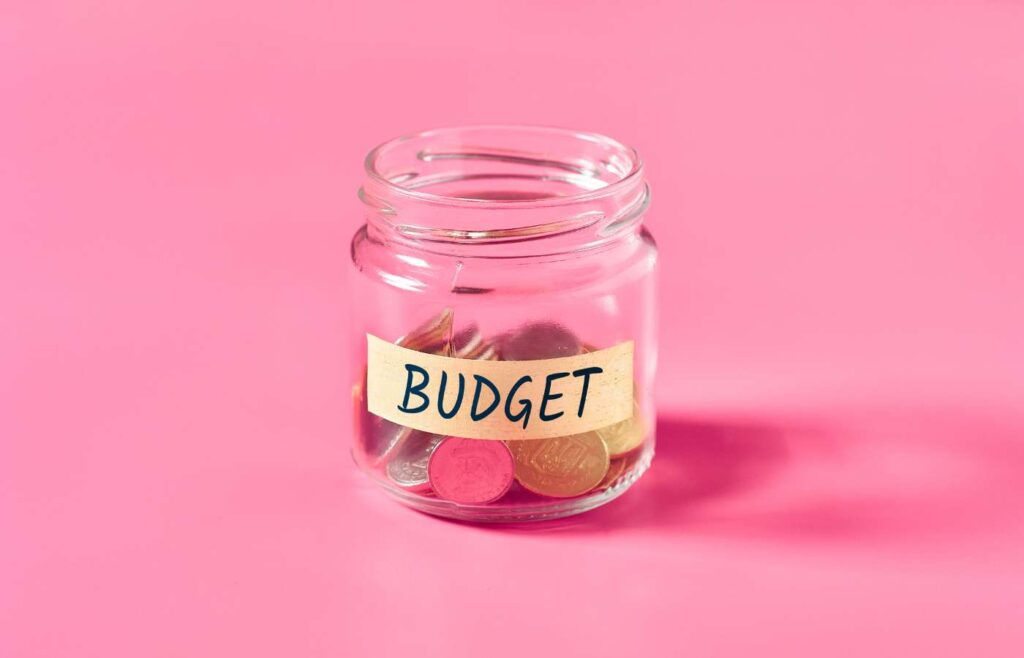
x=838, y=200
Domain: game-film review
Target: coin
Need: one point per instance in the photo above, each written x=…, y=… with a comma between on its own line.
x=465, y=341
x=619, y=467
x=625, y=436
x=561, y=467
x=483, y=351
x=540, y=340
x=469, y=343
x=471, y=471
x=408, y=468
x=616, y=468
x=432, y=335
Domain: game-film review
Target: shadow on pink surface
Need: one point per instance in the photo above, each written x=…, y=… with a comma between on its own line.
x=889, y=478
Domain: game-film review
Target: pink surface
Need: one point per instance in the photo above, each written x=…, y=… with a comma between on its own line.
x=838, y=199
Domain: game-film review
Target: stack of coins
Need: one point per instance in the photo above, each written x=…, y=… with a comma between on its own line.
x=480, y=471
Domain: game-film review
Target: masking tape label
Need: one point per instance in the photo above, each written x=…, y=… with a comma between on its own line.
x=506, y=400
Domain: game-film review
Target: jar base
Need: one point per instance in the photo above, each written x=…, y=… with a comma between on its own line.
x=527, y=511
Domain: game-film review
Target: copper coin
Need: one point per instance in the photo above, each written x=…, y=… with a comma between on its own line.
x=431, y=336
x=408, y=467
x=615, y=469
x=469, y=343
x=485, y=351
x=541, y=340
x=624, y=437
x=561, y=467
x=465, y=342
x=471, y=471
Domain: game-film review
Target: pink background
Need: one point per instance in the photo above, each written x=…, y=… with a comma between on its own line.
x=838, y=200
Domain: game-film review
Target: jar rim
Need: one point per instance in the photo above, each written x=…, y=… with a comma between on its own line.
x=626, y=180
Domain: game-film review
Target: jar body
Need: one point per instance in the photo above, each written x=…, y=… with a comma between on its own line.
x=463, y=356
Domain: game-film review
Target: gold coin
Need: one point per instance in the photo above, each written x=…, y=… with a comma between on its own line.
x=621, y=437
x=561, y=467
x=625, y=436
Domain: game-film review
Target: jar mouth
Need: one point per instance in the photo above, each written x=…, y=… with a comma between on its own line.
x=496, y=166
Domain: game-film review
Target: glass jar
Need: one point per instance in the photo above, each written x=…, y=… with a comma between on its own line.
x=503, y=322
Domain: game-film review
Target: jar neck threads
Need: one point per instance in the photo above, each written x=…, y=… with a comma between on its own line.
x=508, y=189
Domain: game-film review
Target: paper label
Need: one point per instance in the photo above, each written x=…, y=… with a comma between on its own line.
x=502, y=400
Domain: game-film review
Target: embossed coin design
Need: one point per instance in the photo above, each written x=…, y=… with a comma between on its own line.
x=408, y=468
x=562, y=467
x=471, y=471
x=541, y=340
x=624, y=437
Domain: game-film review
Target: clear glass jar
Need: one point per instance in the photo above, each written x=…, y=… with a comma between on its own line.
x=503, y=322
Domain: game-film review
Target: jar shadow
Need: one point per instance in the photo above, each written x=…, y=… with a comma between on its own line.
x=905, y=478
x=696, y=462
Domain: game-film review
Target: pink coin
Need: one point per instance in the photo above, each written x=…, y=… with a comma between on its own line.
x=471, y=471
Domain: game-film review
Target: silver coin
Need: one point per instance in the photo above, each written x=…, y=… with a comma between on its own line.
x=541, y=340
x=408, y=468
